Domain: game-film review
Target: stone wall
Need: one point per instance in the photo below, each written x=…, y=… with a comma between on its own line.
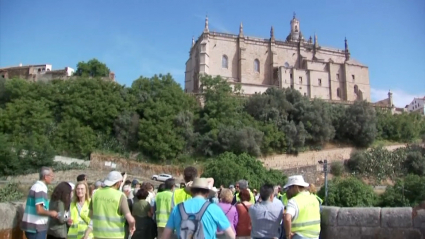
x=311, y=174
x=346, y=223
x=310, y=158
x=372, y=223
x=10, y=218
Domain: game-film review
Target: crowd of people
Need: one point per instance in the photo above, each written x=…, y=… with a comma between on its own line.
x=120, y=208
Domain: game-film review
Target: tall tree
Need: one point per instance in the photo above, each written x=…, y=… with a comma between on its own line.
x=92, y=68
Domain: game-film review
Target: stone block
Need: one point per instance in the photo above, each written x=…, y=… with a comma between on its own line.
x=375, y=233
x=11, y=215
x=331, y=232
x=405, y=233
x=359, y=217
x=329, y=216
x=399, y=217
x=419, y=219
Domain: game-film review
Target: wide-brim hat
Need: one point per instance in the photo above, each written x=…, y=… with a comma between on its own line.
x=297, y=180
x=201, y=183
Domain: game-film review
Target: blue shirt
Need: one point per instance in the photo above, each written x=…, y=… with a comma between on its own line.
x=265, y=219
x=212, y=220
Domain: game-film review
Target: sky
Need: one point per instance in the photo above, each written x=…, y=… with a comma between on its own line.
x=141, y=38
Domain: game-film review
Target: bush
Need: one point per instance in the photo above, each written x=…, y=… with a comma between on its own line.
x=228, y=168
x=405, y=193
x=11, y=193
x=349, y=192
x=337, y=168
x=415, y=163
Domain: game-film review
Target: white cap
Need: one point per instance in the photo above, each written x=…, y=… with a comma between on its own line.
x=112, y=178
x=296, y=180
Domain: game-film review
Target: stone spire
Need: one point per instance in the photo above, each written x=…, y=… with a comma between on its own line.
x=241, y=30
x=206, y=24
x=295, y=16
x=347, y=51
x=193, y=41
x=310, y=40
x=316, y=42
x=390, y=98
x=272, y=33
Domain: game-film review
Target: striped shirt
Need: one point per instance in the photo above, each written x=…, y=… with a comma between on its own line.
x=31, y=221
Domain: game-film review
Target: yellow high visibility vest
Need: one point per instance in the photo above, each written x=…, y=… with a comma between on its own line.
x=284, y=199
x=80, y=221
x=180, y=196
x=107, y=223
x=250, y=193
x=163, y=207
x=308, y=221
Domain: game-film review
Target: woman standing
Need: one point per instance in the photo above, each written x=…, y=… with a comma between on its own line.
x=228, y=209
x=243, y=229
x=145, y=225
x=80, y=220
x=60, y=201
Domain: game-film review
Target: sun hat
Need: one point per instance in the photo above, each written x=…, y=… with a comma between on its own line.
x=297, y=180
x=112, y=178
x=201, y=183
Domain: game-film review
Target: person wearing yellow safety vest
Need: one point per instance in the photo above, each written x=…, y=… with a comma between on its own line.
x=163, y=205
x=302, y=217
x=240, y=185
x=79, y=211
x=312, y=189
x=109, y=210
x=183, y=194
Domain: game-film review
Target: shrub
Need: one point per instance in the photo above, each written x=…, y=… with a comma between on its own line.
x=349, y=192
x=337, y=168
x=11, y=193
x=415, y=163
x=405, y=193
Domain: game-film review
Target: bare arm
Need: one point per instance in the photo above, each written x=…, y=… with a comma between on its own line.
x=167, y=233
x=230, y=233
x=287, y=223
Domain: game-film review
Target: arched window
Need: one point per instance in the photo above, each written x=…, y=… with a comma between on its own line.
x=320, y=82
x=356, y=89
x=256, y=65
x=224, y=62
x=296, y=28
x=338, y=93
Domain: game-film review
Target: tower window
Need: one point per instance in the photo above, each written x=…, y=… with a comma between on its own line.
x=256, y=65
x=296, y=28
x=290, y=76
x=337, y=76
x=356, y=89
x=224, y=62
x=301, y=80
x=338, y=93
x=352, y=76
x=320, y=82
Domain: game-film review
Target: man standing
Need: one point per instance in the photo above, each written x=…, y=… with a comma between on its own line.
x=302, y=218
x=82, y=178
x=36, y=215
x=266, y=215
x=109, y=210
x=163, y=205
x=211, y=217
x=241, y=185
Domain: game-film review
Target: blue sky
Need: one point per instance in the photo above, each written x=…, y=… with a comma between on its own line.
x=137, y=38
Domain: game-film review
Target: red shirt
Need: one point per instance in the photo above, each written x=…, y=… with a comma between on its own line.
x=243, y=229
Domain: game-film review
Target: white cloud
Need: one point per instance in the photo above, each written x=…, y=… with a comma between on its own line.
x=400, y=97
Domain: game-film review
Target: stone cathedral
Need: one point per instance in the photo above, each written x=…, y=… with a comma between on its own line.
x=257, y=64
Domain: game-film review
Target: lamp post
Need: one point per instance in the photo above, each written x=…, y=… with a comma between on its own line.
x=325, y=170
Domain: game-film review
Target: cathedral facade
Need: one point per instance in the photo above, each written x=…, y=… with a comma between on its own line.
x=257, y=64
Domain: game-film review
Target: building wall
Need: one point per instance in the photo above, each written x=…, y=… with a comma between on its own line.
x=223, y=46
x=417, y=105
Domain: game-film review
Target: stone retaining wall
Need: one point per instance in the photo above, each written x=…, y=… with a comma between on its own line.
x=372, y=223
x=346, y=223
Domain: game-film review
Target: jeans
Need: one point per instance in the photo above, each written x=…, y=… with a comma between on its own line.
x=36, y=235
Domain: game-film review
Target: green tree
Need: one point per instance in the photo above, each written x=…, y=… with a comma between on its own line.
x=227, y=168
x=92, y=68
x=407, y=192
x=349, y=192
